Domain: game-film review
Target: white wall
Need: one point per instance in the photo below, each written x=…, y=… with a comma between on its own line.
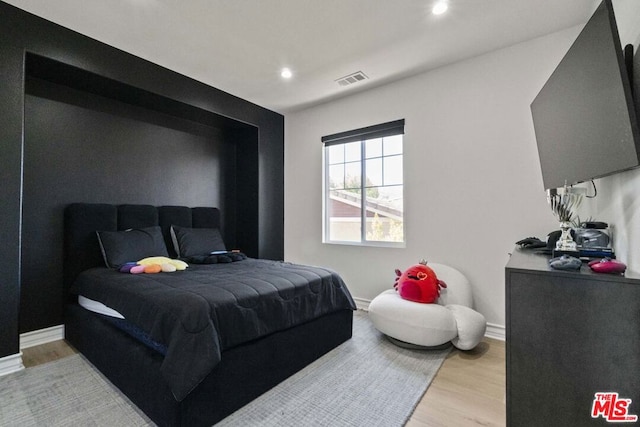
x=618, y=200
x=473, y=185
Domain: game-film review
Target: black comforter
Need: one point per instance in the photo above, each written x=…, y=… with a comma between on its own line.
x=206, y=309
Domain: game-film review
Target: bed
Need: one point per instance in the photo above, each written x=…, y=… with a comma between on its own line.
x=199, y=343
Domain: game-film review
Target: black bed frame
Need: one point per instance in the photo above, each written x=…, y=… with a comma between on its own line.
x=245, y=372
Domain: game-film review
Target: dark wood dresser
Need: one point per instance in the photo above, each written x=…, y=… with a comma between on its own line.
x=569, y=336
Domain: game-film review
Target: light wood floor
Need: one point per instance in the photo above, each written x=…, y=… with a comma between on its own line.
x=44, y=353
x=469, y=389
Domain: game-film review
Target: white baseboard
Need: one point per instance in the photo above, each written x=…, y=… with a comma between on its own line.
x=41, y=336
x=10, y=364
x=497, y=332
x=494, y=331
x=13, y=363
x=362, y=304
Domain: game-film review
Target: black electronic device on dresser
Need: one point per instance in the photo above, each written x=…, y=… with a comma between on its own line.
x=572, y=345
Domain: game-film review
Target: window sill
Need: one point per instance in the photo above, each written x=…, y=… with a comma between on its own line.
x=395, y=245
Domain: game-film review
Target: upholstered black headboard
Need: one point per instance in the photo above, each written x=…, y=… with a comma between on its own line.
x=82, y=220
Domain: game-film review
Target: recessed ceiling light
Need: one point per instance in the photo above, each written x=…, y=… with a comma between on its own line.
x=286, y=73
x=440, y=8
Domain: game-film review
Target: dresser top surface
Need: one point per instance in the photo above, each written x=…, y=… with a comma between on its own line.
x=527, y=260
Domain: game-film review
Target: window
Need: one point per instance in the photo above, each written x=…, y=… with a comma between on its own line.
x=363, y=186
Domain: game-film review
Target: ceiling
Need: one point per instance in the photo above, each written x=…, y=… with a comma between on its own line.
x=239, y=46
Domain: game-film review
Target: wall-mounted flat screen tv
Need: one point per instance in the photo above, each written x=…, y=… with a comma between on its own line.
x=584, y=117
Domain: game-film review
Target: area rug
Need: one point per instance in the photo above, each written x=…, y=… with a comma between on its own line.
x=67, y=392
x=367, y=381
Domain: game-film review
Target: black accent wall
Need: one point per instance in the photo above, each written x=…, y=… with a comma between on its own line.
x=81, y=121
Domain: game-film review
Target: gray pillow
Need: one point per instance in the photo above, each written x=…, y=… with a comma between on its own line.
x=196, y=241
x=120, y=247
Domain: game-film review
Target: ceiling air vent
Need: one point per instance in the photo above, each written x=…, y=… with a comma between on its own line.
x=352, y=78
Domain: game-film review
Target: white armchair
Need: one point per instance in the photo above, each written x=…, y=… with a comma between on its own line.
x=452, y=318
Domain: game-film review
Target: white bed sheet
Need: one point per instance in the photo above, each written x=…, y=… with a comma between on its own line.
x=98, y=307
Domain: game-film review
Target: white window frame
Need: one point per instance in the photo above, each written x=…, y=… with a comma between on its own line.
x=383, y=130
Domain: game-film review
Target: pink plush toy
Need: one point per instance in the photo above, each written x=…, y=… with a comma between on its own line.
x=419, y=283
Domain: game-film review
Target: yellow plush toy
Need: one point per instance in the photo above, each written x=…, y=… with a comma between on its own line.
x=167, y=265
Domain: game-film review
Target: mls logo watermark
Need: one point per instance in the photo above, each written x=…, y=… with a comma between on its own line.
x=612, y=408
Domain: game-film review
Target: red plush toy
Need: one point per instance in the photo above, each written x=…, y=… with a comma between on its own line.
x=419, y=283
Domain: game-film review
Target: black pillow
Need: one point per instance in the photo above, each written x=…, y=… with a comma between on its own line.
x=196, y=241
x=120, y=247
